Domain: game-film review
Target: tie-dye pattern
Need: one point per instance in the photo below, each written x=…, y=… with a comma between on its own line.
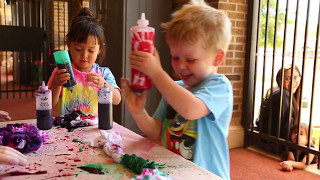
x=83, y=97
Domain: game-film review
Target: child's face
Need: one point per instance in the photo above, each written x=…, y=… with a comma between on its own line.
x=84, y=54
x=192, y=63
x=287, y=80
x=303, y=138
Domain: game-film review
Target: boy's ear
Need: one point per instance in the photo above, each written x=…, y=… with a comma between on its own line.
x=219, y=57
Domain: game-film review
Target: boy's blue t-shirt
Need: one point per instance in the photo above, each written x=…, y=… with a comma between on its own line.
x=203, y=141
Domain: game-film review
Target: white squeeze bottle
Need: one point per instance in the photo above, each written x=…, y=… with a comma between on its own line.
x=44, y=107
x=142, y=39
x=105, y=113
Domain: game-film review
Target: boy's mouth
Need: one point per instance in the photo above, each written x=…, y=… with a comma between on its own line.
x=185, y=76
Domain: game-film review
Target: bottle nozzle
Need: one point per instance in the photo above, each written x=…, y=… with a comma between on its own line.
x=143, y=16
x=43, y=86
x=142, y=21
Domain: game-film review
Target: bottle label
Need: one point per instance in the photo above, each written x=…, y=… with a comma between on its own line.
x=142, y=39
x=43, y=101
x=105, y=97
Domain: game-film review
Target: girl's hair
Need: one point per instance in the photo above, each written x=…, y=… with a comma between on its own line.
x=296, y=95
x=82, y=26
x=306, y=128
x=198, y=23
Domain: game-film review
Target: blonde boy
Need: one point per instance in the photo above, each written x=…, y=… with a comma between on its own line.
x=194, y=114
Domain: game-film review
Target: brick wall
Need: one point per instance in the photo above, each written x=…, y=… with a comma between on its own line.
x=233, y=65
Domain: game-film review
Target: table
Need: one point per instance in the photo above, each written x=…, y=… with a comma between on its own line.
x=59, y=156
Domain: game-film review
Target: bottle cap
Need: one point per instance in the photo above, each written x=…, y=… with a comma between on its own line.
x=62, y=57
x=105, y=88
x=43, y=86
x=143, y=21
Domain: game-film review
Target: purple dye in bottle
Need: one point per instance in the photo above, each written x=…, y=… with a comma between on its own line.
x=44, y=107
x=105, y=115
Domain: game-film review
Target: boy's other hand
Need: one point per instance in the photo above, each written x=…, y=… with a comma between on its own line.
x=134, y=102
x=60, y=77
x=145, y=62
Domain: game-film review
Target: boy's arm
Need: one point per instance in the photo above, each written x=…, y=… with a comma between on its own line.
x=148, y=125
x=180, y=99
x=135, y=104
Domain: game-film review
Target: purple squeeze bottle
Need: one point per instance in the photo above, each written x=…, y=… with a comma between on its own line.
x=105, y=115
x=44, y=107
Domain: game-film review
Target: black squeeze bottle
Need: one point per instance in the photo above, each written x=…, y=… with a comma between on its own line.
x=63, y=61
x=105, y=115
x=44, y=107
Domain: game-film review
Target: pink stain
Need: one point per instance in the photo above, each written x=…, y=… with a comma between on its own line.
x=148, y=147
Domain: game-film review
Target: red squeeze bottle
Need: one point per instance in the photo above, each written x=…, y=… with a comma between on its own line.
x=142, y=39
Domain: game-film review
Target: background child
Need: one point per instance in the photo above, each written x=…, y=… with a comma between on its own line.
x=86, y=43
x=194, y=114
x=300, y=163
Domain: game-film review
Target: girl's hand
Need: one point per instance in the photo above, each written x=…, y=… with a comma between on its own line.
x=9, y=155
x=60, y=77
x=4, y=116
x=134, y=102
x=145, y=62
x=95, y=80
x=287, y=165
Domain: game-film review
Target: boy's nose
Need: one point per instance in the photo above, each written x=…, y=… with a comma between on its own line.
x=182, y=65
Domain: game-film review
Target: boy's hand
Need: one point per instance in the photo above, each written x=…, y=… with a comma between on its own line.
x=145, y=62
x=95, y=80
x=134, y=102
x=9, y=155
x=60, y=77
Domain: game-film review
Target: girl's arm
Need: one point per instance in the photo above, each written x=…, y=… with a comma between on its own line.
x=291, y=163
x=58, y=78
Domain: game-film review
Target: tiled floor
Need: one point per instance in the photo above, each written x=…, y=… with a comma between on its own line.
x=20, y=108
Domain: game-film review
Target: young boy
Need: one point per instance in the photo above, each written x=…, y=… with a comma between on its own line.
x=194, y=114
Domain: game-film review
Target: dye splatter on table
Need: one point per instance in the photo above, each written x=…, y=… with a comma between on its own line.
x=61, y=157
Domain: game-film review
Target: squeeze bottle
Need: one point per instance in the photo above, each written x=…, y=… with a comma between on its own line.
x=105, y=114
x=142, y=39
x=63, y=61
x=44, y=107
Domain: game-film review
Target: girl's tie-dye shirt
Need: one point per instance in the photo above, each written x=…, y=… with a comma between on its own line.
x=83, y=97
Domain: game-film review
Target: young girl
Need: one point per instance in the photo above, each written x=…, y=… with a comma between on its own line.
x=86, y=43
x=300, y=163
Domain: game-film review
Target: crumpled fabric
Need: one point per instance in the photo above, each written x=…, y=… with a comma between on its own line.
x=110, y=141
x=75, y=120
x=22, y=137
x=151, y=174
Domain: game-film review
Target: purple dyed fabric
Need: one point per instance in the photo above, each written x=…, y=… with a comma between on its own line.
x=22, y=137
